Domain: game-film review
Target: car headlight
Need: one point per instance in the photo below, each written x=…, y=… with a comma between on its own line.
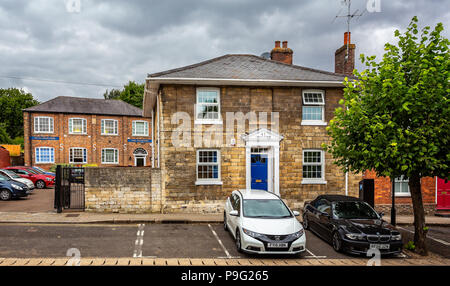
x=396, y=237
x=17, y=187
x=298, y=234
x=355, y=236
x=251, y=233
x=48, y=179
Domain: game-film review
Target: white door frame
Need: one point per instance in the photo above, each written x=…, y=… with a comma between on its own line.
x=264, y=138
x=140, y=156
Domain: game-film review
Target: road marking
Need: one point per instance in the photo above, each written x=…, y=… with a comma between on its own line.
x=430, y=237
x=220, y=242
x=139, y=241
x=313, y=255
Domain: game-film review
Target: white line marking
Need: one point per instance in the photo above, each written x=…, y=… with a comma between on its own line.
x=430, y=237
x=139, y=241
x=309, y=256
x=312, y=254
x=220, y=242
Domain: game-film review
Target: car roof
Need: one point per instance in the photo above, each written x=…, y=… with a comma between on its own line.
x=338, y=198
x=252, y=194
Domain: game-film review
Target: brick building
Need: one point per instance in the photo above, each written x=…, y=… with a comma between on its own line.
x=86, y=131
x=204, y=154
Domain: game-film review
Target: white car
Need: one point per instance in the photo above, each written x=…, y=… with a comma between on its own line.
x=261, y=223
x=13, y=176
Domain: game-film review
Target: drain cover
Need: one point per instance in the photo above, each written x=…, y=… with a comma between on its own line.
x=72, y=215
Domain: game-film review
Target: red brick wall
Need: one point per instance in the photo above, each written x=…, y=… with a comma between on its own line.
x=93, y=141
x=4, y=158
x=383, y=190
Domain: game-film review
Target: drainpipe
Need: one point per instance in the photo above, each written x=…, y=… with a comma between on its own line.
x=393, y=215
x=346, y=183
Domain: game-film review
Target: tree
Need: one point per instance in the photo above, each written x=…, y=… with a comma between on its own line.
x=4, y=137
x=12, y=102
x=395, y=119
x=132, y=93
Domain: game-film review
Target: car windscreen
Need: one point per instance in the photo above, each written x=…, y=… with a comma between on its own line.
x=11, y=174
x=354, y=210
x=33, y=171
x=265, y=209
x=4, y=178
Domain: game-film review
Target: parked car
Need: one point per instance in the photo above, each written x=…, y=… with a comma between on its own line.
x=42, y=171
x=11, y=189
x=40, y=180
x=13, y=176
x=350, y=225
x=260, y=222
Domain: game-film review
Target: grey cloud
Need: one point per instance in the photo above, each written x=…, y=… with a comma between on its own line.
x=115, y=41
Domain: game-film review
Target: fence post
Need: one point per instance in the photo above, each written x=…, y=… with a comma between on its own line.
x=58, y=191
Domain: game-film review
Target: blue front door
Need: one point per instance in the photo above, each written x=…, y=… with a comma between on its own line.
x=259, y=171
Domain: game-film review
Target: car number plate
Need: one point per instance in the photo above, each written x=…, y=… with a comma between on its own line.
x=380, y=246
x=277, y=245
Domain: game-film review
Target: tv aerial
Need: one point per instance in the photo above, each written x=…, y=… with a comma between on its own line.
x=350, y=16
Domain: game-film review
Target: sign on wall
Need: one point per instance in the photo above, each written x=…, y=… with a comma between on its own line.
x=44, y=138
x=140, y=140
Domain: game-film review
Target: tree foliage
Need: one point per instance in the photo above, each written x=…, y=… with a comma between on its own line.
x=395, y=119
x=12, y=102
x=132, y=93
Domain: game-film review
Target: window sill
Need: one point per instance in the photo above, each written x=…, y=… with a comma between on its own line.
x=43, y=132
x=109, y=134
x=204, y=183
x=405, y=195
x=139, y=135
x=78, y=133
x=313, y=182
x=209, y=121
x=314, y=123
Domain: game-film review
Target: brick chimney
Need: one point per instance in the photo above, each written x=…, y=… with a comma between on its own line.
x=281, y=54
x=343, y=63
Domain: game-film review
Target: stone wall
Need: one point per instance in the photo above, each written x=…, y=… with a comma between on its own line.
x=178, y=164
x=121, y=190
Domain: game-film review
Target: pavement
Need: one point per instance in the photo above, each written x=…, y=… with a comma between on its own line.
x=87, y=217
x=96, y=261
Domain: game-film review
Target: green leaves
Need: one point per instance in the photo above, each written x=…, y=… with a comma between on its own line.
x=132, y=93
x=397, y=121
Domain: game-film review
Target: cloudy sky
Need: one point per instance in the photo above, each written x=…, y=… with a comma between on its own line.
x=108, y=43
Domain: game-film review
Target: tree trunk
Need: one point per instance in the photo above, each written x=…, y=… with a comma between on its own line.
x=419, y=215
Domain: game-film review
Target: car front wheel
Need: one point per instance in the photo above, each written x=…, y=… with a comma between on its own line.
x=337, y=242
x=238, y=241
x=305, y=222
x=225, y=227
x=40, y=184
x=5, y=195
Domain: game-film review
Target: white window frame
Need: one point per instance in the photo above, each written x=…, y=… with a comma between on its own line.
x=40, y=156
x=103, y=124
x=196, y=107
x=84, y=150
x=110, y=163
x=402, y=194
x=216, y=181
x=322, y=164
x=50, y=124
x=314, y=104
x=83, y=127
x=133, y=128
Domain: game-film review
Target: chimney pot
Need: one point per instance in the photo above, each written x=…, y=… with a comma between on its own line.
x=347, y=36
x=285, y=44
x=277, y=44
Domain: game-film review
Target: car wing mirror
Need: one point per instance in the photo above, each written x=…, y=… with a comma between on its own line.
x=296, y=213
x=326, y=214
x=381, y=214
x=234, y=213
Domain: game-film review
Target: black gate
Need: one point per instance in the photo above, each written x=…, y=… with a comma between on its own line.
x=69, y=188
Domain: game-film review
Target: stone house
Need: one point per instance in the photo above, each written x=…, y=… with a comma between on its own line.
x=243, y=121
x=82, y=131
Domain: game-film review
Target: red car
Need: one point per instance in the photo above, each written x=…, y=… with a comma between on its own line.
x=40, y=180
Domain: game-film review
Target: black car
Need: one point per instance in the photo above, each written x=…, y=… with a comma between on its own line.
x=350, y=225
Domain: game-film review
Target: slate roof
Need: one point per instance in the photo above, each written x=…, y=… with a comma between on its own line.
x=236, y=66
x=82, y=105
